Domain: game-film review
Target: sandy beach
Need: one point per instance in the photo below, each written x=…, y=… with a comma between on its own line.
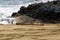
x=30, y=32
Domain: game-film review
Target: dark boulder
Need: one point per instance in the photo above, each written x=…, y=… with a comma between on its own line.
x=47, y=12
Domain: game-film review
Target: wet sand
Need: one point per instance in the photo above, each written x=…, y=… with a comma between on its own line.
x=30, y=32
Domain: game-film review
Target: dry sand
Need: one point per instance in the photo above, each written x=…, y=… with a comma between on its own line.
x=30, y=32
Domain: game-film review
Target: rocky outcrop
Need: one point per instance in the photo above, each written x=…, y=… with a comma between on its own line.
x=47, y=12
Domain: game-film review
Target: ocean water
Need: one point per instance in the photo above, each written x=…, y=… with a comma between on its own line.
x=7, y=7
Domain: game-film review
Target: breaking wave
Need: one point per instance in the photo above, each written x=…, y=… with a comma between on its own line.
x=7, y=7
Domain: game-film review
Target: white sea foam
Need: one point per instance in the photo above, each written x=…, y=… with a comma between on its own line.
x=8, y=9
